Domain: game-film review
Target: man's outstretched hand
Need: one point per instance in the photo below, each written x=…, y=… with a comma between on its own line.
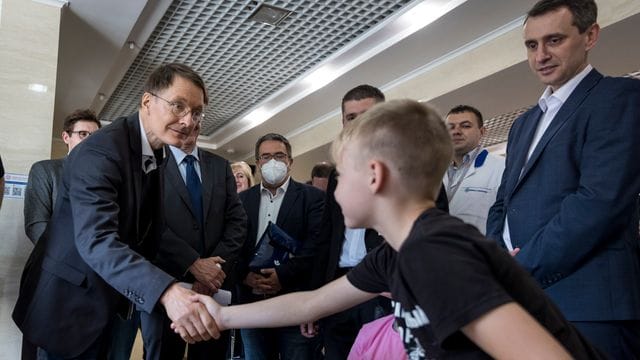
x=189, y=315
x=211, y=307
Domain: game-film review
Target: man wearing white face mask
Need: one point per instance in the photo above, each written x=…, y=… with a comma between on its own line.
x=297, y=209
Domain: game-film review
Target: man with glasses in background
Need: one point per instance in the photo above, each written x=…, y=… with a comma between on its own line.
x=93, y=259
x=44, y=176
x=297, y=209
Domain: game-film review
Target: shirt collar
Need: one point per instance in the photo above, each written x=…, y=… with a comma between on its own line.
x=280, y=190
x=467, y=158
x=563, y=93
x=146, y=147
x=179, y=155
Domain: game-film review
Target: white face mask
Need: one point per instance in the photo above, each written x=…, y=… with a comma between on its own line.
x=273, y=172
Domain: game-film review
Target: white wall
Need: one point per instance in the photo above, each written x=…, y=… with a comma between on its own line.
x=29, y=34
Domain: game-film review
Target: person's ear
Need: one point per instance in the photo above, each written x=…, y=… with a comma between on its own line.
x=378, y=173
x=483, y=130
x=593, y=33
x=65, y=137
x=144, y=102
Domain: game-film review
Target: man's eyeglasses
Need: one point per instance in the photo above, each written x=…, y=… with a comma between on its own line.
x=81, y=133
x=180, y=109
x=279, y=156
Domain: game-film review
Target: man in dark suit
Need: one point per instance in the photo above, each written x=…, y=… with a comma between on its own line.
x=340, y=249
x=42, y=189
x=203, y=237
x=93, y=257
x=296, y=208
x=566, y=206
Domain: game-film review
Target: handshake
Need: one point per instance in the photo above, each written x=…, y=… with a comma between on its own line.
x=186, y=307
x=200, y=319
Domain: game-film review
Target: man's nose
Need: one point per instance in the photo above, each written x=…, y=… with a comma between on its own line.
x=188, y=121
x=542, y=54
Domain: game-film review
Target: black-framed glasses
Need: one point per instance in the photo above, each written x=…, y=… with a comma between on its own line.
x=180, y=109
x=279, y=156
x=81, y=133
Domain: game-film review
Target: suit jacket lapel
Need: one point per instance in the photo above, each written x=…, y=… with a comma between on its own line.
x=207, y=176
x=252, y=207
x=290, y=197
x=176, y=181
x=523, y=141
x=565, y=113
x=135, y=145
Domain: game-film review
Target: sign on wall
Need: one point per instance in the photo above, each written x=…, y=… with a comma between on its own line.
x=15, y=185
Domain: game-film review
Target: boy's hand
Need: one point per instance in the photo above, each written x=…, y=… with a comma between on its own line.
x=309, y=330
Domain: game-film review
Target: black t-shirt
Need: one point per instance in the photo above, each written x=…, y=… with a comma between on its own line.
x=446, y=275
x=1, y=168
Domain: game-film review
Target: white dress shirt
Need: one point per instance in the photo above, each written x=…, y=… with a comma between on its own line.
x=269, y=206
x=353, y=248
x=180, y=155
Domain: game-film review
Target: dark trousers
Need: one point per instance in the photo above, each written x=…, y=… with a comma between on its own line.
x=616, y=339
x=123, y=336
x=285, y=343
x=340, y=330
x=29, y=351
x=96, y=351
x=173, y=346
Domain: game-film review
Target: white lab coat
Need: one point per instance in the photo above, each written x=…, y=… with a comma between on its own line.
x=477, y=192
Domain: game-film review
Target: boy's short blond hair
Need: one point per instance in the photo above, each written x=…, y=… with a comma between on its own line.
x=410, y=136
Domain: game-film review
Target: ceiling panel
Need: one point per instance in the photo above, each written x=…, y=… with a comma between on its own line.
x=241, y=61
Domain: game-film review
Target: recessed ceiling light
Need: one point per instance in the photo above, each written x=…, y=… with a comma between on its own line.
x=38, y=88
x=269, y=14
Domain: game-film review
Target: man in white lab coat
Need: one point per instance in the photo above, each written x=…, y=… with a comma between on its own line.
x=472, y=179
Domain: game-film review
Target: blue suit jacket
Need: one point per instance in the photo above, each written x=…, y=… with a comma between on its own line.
x=299, y=216
x=573, y=210
x=91, y=254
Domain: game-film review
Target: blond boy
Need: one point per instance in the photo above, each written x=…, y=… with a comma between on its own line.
x=456, y=293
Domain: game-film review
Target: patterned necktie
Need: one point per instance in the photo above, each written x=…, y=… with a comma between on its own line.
x=194, y=187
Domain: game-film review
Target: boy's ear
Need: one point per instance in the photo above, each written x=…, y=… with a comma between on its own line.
x=378, y=173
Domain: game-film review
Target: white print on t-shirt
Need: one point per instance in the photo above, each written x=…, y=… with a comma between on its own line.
x=407, y=320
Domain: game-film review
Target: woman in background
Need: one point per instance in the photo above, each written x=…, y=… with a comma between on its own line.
x=242, y=173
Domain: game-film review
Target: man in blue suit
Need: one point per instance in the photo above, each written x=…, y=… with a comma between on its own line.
x=566, y=206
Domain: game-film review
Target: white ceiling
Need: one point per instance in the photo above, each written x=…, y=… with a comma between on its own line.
x=95, y=58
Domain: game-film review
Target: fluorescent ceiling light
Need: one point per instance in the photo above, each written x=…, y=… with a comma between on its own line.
x=38, y=88
x=376, y=40
x=320, y=77
x=257, y=117
x=425, y=13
